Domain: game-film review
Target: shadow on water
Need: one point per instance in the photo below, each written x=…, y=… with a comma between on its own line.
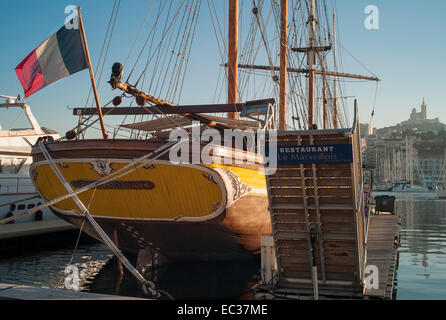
x=222, y=280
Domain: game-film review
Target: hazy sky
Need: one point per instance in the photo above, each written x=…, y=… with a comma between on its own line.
x=407, y=52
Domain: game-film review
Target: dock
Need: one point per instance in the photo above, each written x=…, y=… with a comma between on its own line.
x=24, y=229
x=19, y=292
x=382, y=251
x=25, y=237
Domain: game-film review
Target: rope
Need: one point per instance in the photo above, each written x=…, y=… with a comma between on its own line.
x=149, y=285
x=74, y=251
x=144, y=161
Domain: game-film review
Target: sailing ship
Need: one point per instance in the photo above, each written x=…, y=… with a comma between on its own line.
x=207, y=210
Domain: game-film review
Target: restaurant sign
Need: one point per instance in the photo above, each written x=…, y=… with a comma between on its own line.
x=330, y=153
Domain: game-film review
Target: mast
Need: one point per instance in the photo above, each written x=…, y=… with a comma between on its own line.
x=324, y=101
x=335, y=98
x=283, y=63
x=233, y=55
x=93, y=82
x=311, y=61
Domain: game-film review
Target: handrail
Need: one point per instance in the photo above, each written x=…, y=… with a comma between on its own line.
x=355, y=116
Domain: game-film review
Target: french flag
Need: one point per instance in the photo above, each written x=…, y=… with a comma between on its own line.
x=59, y=56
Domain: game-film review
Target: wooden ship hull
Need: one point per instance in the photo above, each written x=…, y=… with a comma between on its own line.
x=207, y=212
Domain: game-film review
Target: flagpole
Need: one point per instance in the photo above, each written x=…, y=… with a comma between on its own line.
x=93, y=82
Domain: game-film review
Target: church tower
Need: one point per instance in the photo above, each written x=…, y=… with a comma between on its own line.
x=424, y=110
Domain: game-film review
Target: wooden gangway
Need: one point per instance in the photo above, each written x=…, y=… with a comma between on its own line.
x=317, y=209
x=318, y=213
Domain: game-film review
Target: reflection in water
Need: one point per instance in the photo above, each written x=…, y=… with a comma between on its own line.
x=99, y=273
x=421, y=272
x=422, y=265
x=46, y=269
x=223, y=280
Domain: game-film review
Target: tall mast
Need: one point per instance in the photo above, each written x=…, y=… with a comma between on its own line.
x=335, y=94
x=311, y=61
x=324, y=101
x=233, y=55
x=283, y=63
x=93, y=82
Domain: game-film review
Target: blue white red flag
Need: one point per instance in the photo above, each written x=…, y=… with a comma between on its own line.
x=59, y=56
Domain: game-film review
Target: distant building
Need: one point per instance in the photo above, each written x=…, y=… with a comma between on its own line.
x=417, y=122
x=387, y=150
x=365, y=130
x=419, y=116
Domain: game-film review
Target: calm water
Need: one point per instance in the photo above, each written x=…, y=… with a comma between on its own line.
x=422, y=265
x=421, y=273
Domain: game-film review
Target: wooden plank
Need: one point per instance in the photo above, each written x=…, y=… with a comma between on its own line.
x=346, y=286
x=304, y=134
x=311, y=200
x=317, y=142
x=299, y=206
x=322, y=173
x=290, y=226
x=311, y=192
x=322, y=182
x=294, y=243
x=343, y=245
x=213, y=108
x=326, y=218
x=339, y=227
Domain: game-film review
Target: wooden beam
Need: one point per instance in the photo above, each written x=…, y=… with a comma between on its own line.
x=311, y=63
x=233, y=55
x=120, y=111
x=283, y=63
x=301, y=70
x=203, y=108
x=318, y=49
x=135, y=92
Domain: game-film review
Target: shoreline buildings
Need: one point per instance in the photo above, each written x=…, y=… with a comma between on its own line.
x=413, y=150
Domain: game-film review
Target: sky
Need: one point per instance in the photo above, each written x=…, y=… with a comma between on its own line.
x=407, y=52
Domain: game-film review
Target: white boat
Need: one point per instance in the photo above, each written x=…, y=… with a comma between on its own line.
x=17, y=191
x=441, y=194
x=406, y=186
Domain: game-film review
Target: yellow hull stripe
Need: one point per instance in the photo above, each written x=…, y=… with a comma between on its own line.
x=179, y=191
x=253, y=178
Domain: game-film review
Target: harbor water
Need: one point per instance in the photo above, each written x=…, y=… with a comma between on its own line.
x=421, y=273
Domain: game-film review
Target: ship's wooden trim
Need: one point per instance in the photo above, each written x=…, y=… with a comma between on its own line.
x=131, y=149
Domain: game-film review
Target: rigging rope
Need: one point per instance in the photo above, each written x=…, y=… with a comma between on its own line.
x=133, y=165
x=148, y=284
